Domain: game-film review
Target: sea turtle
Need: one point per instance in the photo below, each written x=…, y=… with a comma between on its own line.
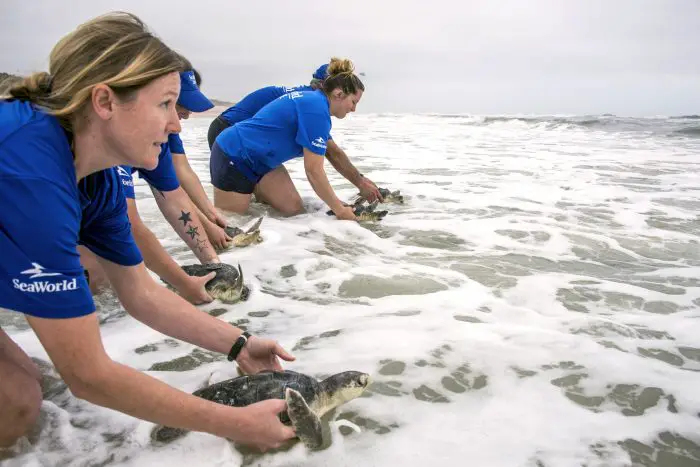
x=389, y=196
x=227, y=285
x=243, y=238
x=364, y=212
x=307, y=399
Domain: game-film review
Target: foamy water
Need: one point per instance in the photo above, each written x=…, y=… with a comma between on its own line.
x=534, y=303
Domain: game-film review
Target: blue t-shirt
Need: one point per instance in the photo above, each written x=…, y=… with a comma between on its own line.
x=175, y=144
x=161, y=178
x=46, y=213
x=278, y=132
x=256, y=100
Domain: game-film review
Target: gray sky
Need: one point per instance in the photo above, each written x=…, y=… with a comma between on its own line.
x=627, y=57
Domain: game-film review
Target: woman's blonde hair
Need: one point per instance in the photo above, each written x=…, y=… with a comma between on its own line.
x=341, y=74
x=115, y=49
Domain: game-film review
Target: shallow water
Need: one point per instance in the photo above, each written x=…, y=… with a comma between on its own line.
x=535, y=302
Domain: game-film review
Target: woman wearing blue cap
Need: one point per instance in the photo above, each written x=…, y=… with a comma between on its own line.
x=108, y=99
x=192, y=100
x=178, y=210
x=248, y=156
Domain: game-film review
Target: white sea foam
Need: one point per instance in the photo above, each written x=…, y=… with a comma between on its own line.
x=534, y=302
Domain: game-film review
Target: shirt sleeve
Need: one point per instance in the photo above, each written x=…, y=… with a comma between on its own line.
x=127, y=180
x=106, y=229
x=312, y=131
x=175, y=144
x=163, y=177
x=39, y=227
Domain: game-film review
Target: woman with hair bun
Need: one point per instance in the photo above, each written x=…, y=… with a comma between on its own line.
x=108, y=99
x=248, y=156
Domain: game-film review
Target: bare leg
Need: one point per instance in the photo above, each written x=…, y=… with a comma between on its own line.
x=231, y=201
x=259, y=196
x=98, y=277
x=20, y=392
x=278, y=190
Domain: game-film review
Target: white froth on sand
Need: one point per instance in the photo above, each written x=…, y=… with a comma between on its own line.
x=535, y=300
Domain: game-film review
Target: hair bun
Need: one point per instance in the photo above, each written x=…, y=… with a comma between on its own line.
x=340, y=65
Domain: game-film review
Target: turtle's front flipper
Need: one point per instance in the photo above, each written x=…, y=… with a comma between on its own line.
x=305, y=422
x=166, y=434
x=255, y=226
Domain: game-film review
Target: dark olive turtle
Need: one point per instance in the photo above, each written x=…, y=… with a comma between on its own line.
x=227, y=285
x=364, y=212
x=307, y=399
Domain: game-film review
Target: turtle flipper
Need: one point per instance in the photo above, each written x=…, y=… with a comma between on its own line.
x=305, y=422
x=255, y=226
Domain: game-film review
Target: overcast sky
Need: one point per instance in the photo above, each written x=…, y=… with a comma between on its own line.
x=627, y=57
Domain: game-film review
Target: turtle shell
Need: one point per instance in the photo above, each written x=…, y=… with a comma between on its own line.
x=245, y=390
x=233, y=231
x=225, y=273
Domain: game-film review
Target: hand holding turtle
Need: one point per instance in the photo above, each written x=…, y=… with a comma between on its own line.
x=258, y=425
x=345, y=213
x=217, y=235
x=261, y=354
x=369, y=191
x=193, y=290
x=218, y=219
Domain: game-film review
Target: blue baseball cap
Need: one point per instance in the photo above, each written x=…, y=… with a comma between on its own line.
x=321, y=72
x=191, y=97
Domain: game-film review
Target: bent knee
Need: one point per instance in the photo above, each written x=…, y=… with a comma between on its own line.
x=291, y=207
x=20, y=413
x=230, y=201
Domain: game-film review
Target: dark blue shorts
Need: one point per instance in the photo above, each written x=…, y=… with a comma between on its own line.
x=224, y=174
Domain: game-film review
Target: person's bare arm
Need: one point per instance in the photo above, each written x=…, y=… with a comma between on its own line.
x=159, y=261
x=316, y=174
x=75, y=347
x=180, y=213
x=340, y=161
x=192, y=185
x=164, y=311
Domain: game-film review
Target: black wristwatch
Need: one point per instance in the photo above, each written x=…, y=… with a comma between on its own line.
x=238, y=346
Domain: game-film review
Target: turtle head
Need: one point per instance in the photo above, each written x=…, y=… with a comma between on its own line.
x=246, y=239
x=343, y=387
x=227, y=292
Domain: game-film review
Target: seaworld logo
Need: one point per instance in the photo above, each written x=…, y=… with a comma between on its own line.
x=319, y=142
x=37, y=271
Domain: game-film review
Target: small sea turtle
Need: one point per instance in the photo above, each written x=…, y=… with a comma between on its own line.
x=307, y=399
x=227, y=285
x=389, y=196
x=243, y=238
x=364, y=212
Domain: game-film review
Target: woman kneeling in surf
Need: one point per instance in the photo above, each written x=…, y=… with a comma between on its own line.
x=248, y=156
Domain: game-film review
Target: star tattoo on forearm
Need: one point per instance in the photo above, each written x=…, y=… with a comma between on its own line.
x=201, y=244
x=185, y=218
x=193, y=232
